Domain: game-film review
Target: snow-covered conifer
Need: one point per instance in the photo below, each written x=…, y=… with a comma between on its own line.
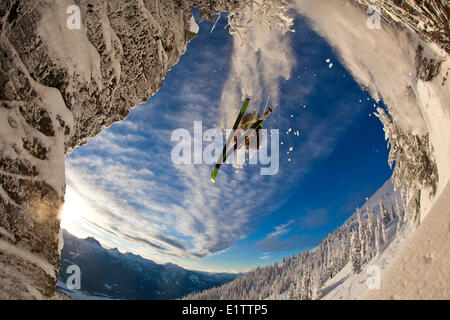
x=291, y=295
x=355, y=253
x=400, y=211
x=370, y=233
x=386, y=217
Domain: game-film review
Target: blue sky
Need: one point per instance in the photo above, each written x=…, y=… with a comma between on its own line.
x=123, y=189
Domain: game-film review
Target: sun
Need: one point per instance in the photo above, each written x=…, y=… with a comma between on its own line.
x=74, y=208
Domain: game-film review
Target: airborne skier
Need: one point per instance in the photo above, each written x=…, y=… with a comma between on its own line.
x=246, y=123
x=242, y=134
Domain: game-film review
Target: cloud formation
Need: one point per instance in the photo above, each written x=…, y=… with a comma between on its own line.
x=257, y=66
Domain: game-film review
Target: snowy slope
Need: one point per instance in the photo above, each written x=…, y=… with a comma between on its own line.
x=348, y=286
x=421, y=270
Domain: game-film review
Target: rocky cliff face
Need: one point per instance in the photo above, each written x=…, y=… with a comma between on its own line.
x=428, y=18
x=59, y=86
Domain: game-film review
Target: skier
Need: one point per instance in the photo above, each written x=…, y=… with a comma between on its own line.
x=248, y=120
x=243, y=126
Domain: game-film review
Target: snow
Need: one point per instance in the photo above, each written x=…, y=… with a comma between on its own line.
x=109, y=36
x=52, y=170
x=381, y=60
x=259, y=63
x=5, y=233
x=385, y=193
x=33, y=291
x=347, y=286
x=193, y=26
x=384, y=61
x=79, y=294
x=60, y=241
x=13, y=282
x=436, y=112
x=72, y=47
x=420, y=270
x=27, y=256
x=108, y=287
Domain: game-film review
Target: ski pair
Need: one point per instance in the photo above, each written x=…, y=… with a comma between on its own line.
x=239, y=141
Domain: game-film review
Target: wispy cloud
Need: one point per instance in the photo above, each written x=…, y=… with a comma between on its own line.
x=280, y=230
x=265, y=255
x=275, y=241
x=289, y=235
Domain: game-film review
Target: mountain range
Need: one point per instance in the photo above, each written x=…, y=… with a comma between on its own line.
x=110, y=274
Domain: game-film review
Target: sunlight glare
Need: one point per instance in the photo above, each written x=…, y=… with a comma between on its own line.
x=74, y=208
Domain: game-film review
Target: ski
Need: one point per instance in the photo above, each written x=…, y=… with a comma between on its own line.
x=236, y=123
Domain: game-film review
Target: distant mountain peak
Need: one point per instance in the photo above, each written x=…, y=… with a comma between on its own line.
x=93, y=241
x=114, y=250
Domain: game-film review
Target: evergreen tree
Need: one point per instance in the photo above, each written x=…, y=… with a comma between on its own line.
x=400, y=211
x=393, y=214
x=315, y=284
x=379, y=235
x=415, y=166
x=384, y=213
x=370, y=233
x=398, y=225
x=298, y=288
x=355, y=253
x=306, y=295
x=362, y=235
x=291, y=295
